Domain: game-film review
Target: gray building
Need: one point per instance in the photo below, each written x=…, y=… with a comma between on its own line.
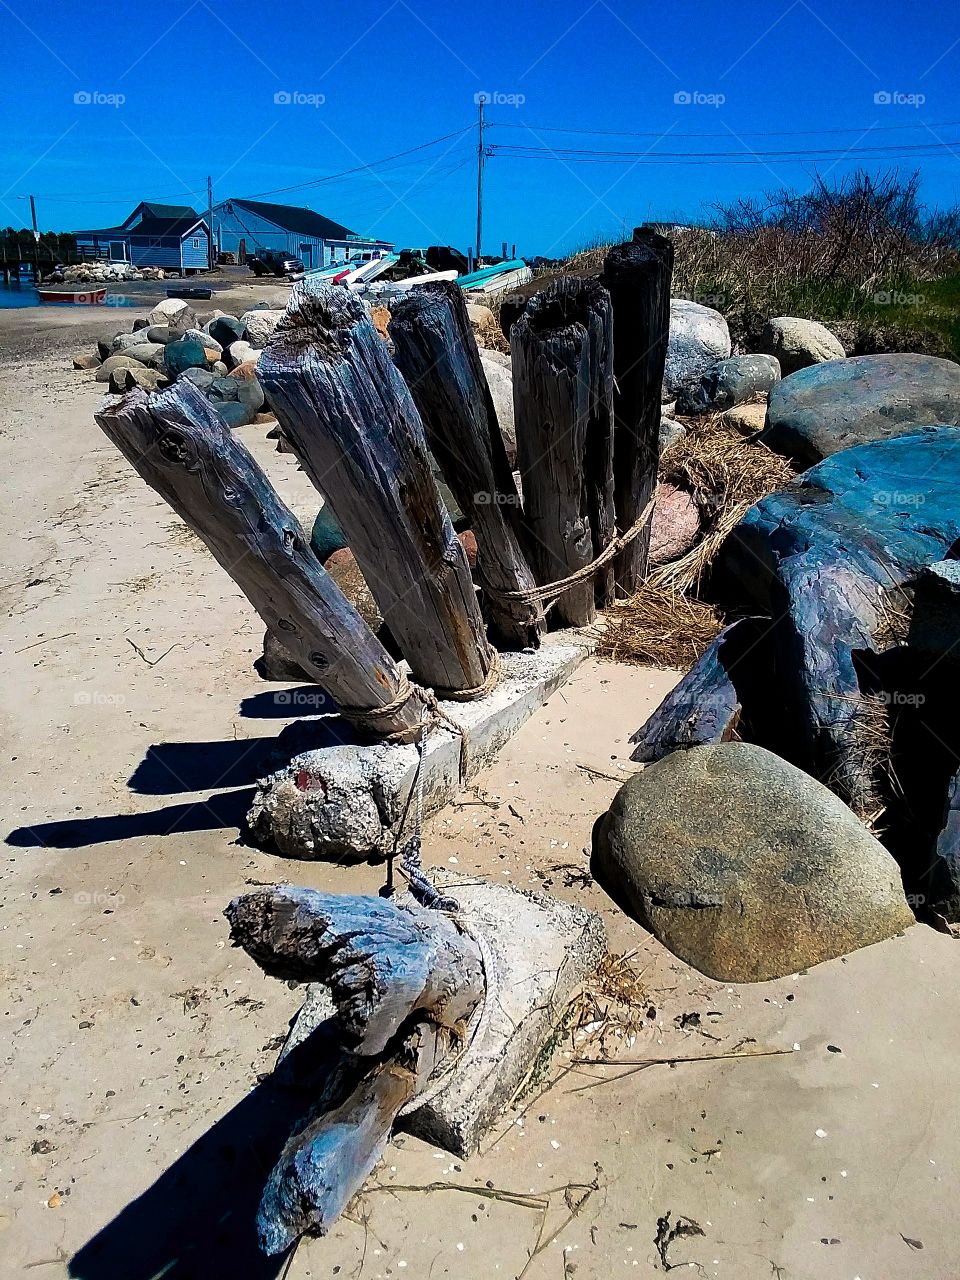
x=171, y=236
x=242, y=227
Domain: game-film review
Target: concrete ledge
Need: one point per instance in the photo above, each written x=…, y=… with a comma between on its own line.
x=345, y=802
x=537, y=953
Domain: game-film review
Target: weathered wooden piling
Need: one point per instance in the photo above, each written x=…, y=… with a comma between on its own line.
x=436, y=352
x=403, y=982
x=562, y=348
x=637, y=276
x=184, y=450
x=353, y=424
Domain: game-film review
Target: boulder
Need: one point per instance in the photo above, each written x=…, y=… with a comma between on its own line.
x=122, y=380
x=233, y=412
x=344, y=570
x=173, y=313
x=123, y=340
x=278, y=663
x=744, y=866
x=245, y=371
x=226, y=330
x=245, y=391
x=675, y=527
x=728, y=383
x=746, y=418
x=818, y=411
x=671, y=433
x=119, y=361
x=699, y=337
x=105, y=348
x=500, y=381
x=149, y=353
x=201, y=376
x=219, y=369
x=141, y=322
x=206, y=341
x=258, y=325
x=798, y=343
x=162, y=333
x=183, y=354
x=84, y=361
x=326, y=536
x=480, y=315
x=240, y=352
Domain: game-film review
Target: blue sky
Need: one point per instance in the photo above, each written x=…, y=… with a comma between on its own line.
x=104, y=107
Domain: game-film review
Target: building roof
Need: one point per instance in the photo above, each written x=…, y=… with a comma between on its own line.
x=152, y=210
x=303, y=222
x=154, y=228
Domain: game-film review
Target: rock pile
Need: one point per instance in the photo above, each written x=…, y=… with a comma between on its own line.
x=218, y=352
x=753, y=861
x=102, y=273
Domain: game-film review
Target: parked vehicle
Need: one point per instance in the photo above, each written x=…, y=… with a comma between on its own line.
x=274, y=262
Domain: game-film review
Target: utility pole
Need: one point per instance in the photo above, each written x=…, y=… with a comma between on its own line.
x=33, y=215
x=211, y=254
x=480, y=98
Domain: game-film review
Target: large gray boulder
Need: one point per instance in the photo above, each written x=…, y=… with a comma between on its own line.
x=699, y=337
x=173, y=313
x=798, y=343
x=120, y=361
x=259, y=324
x=728, y=383
x=829, y=407
x=499, y=375
x=149, y=353
x=744, y=866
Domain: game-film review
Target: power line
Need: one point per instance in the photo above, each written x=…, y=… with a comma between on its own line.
x=771, y=133
x=889, y=151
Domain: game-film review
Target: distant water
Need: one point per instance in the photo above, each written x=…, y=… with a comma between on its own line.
x=25, y=295
x=18, y=295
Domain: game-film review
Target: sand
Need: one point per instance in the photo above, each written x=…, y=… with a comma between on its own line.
x=134, y=728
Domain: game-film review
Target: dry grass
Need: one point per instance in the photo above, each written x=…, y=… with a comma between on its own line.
x=727, y=473
x=658, y=627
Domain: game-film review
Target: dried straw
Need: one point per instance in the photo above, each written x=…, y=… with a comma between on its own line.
x=658, y=627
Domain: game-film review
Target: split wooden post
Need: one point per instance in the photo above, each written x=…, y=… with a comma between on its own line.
x=563, y=402
x=184, y=450
x=403, y=983
x=637, y=276
x=350, y=419
x=436, y=352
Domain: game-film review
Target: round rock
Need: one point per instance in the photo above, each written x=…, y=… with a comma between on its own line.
x=728, y=383
x=828, y=407
x=699, y=337
x=798, y=343
x=184, y=354
x=744, y=866
x=258, y=325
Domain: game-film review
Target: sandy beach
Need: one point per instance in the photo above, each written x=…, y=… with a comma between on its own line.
x=138, y=1123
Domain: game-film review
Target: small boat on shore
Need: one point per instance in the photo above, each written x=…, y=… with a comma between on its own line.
x=198, y=291
x=92, y=296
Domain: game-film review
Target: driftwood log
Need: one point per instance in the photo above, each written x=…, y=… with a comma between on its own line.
x=403, y=982
x=637, y=276
x=563, y=396
x=180, y=445
x=436, y=352
x=351, y=421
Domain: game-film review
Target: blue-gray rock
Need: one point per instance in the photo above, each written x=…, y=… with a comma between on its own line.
x=234, y=413
x=671, y=433
x=744, y=866
x=728, y=383
x=327, y=535
x=246, y=391
x=226, y=330
x=206, y=341
x=201, y=377
x=183, y=354
x=161, y=333
x=820, y=557
x=699, y=337
x=818, y=411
